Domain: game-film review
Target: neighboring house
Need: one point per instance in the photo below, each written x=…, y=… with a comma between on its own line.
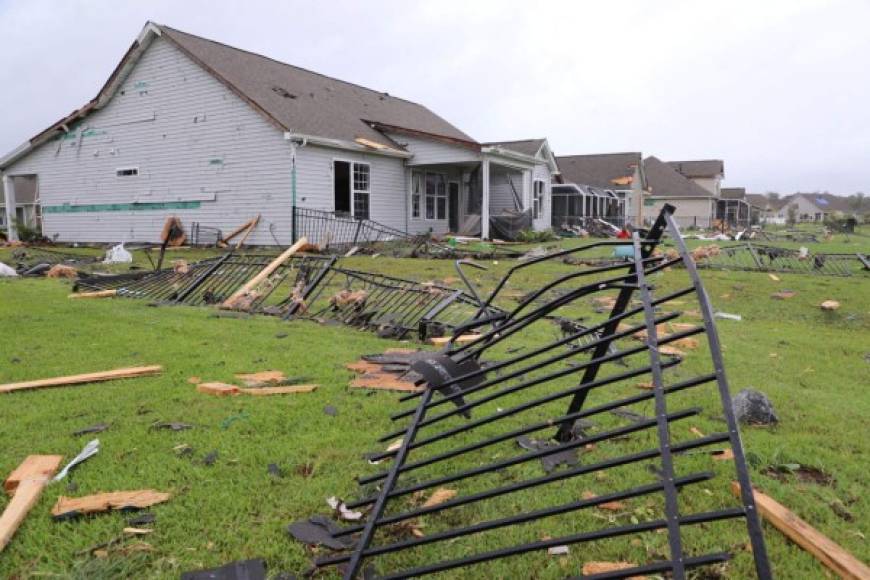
x=768, y=208
x=215, y=135
x=619, y=173
x=26, y=203
x=695, y=205
x=708, y=173
x=817, y=207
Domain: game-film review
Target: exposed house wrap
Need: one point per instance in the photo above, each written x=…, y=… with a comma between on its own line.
x=190, y=127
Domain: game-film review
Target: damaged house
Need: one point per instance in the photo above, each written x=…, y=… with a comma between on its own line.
x=215, y=135
x=608, y=185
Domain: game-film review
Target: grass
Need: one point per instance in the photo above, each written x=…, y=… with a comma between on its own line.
x=812, y=364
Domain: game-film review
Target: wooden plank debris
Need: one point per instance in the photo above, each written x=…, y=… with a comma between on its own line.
x=261, y=377
x=25, y=484
x=252, y=284
x=823, y=548
x=282, y=390
x=442, y=340
x=218, y=389
x=96, y=294
x=124, y=373
x=103, y=502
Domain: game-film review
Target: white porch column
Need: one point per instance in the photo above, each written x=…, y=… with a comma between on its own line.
x=484, y=202
x=9, y=190
x=527, y=189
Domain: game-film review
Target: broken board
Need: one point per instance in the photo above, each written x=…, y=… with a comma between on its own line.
x=102, y=502
x=125, y=373
x=25, y=484
x=807, y=537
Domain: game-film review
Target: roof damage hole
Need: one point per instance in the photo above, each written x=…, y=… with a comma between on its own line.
x=283, y=92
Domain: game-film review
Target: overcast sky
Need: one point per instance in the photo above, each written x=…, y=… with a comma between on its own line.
x=778, y=89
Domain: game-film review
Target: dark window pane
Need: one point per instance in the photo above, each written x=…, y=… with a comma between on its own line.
x=361, y=205
x=442, y=208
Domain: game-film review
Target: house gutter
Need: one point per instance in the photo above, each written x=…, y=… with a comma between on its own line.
x=345, y=145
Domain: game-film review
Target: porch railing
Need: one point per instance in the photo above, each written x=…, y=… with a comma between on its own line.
x=335, y=231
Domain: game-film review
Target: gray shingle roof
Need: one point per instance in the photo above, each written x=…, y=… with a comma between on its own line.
x=732, y=193
x=663, y=180
x=599, y=170
x=525, y=146
x=306, y=102
x=699, y=167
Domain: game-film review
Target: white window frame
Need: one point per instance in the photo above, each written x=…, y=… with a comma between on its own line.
x=135, y=168
x=354, y=191
x=420, y=195
x=352, y=185
x=435, y=196
x=538, y=198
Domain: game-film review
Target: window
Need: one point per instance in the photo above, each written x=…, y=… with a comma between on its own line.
x=416, y=193
x=127, y=171
x=436, y=196
x=538, y=199
x=361, y=189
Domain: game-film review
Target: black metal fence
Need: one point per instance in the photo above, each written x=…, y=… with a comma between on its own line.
x=337, y=232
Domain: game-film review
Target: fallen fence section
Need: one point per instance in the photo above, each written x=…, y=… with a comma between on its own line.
x=466, y=441
x=36, y=261
x=764, y=258
x=303, y=287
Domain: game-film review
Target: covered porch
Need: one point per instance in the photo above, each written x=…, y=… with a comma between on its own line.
x=734, y=213
x=489, y=198
x=19, y=204
x=574, y=205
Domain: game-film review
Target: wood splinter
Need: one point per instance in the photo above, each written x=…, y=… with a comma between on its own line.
x=25, y=485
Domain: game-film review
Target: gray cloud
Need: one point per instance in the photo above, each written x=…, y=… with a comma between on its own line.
x=779, y=89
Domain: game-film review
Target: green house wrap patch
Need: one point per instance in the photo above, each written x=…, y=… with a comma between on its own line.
x=102, y=207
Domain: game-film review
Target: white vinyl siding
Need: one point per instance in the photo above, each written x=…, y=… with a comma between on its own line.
x=431, y=151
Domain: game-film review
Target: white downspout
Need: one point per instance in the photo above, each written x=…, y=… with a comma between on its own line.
x=484, y=203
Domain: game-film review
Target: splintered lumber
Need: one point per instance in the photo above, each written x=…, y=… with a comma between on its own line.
x=125, y=373
x=240, y=229
x=103, y=502
x=823, y=548
x=25, y=484
x=218, y=389
x=250, y=229
x=384, y=382
x=264, y=273
x=283, y=390
x=96, y=294
x=442, y=340
x=261, y=377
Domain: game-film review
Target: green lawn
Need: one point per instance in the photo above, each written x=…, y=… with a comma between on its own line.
x=813, y=365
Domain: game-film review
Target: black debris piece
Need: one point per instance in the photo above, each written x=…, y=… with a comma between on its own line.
x=552, y=461
x=330, y=410
x=142, y=519
x=98, y=428
x=174, y=426
x=754, y=408
x=320, y=531
x=72, y=487
x=242, y=570
x=210, y=459
x=282, y=335
x=275, y=471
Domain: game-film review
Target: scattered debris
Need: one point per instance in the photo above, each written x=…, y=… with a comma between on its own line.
x=91, y=449
x=210, y=459
x=240, y=298
x=180, y=266
x=67, y=507
x=124, y=373
x=261, y=378
x=194, y=380
x=173, y=426
x=725, y=455
x=7, y=272
x=390, y=372
x=61, y=271
x=25, y=484
x=285, y=390
x=274, y=470
x=803, y=473
x=829, y=305
x=823, y=548
x=783, y=295
x=137, y=531
x=118, y=255
x=344, y=513
x=557, y=550
x=612, y=506
x=320, y=531
x=463, y=338
x=439, y=496
x=590, y=568
x=98, y=428
x=217, y=389
x=774, y=277
x=242, y=570
x=839, y=508
x=330, y=410
x=142, y=519
x=94, y=294
x=754, y=408
x=726, y=316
